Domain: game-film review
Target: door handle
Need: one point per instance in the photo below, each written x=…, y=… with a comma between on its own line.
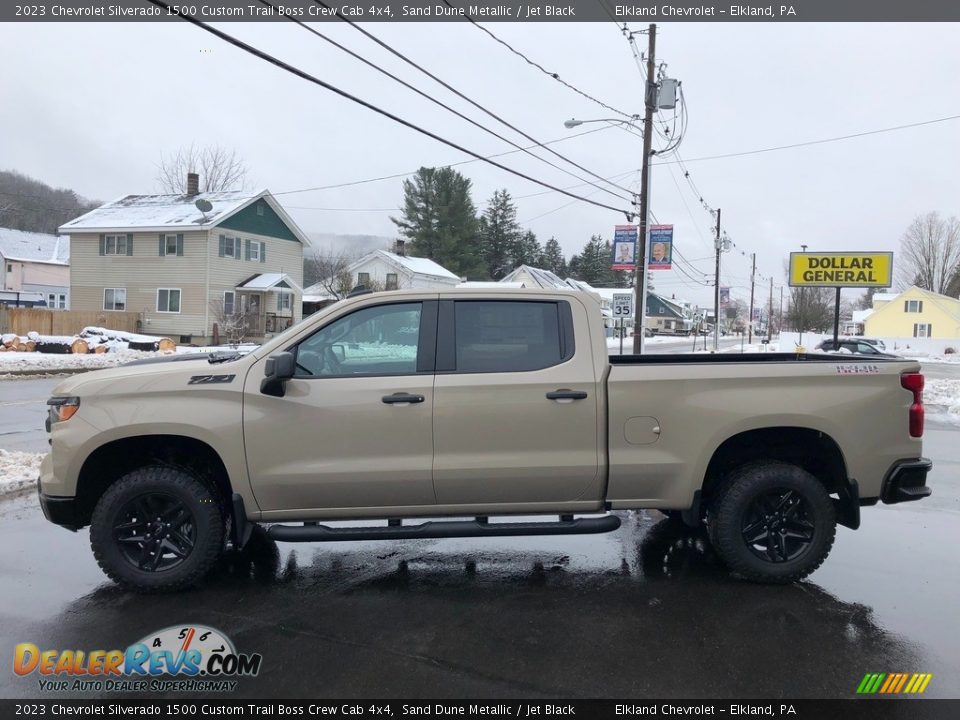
x=567, y=395
x=401, y=397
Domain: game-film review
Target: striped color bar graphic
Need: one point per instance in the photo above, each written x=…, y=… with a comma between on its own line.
x=893, y=683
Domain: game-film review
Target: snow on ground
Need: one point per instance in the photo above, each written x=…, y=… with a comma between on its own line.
x=12, y=362
x=18, y=470
x=19, y=361
x=943, y=394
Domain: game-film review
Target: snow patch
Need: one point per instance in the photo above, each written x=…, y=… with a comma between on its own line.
x=944, y=394
x=18, y=470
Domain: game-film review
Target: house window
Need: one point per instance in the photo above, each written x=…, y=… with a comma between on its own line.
x=255, y=251
x=284, y=300
x=115, y=245
x=363, y=279
x=170, y=245
x=913, y=306
x=9, y=267
x=229, y=246
x=114, y=298
x=168, y=300
x=58, y=301
x=229, y=303
x=392, y=281
x=259, y=208
x=922, y=330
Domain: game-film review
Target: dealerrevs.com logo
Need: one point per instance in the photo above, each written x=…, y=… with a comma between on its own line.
x=178, y=658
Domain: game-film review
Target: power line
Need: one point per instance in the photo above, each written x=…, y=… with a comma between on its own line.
x=342, y=93
x=449, y=165
x=538, y=66
x=816, y=142
x=556, y=209
x=456, y=92
x=434, y=100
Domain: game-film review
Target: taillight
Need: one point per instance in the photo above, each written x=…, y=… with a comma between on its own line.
x=913, y=382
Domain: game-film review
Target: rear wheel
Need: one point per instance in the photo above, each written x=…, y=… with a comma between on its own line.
x=772, y=522
x=157, y=529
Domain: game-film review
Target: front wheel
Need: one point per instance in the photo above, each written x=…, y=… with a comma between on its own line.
x=157, y=529
x=772, y=522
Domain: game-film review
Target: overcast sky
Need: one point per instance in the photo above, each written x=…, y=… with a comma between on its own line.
x=92, y=107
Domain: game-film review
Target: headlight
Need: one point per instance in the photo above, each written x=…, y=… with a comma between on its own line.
x=61, y=408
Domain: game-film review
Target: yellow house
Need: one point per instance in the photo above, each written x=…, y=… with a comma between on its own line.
x=914, y=313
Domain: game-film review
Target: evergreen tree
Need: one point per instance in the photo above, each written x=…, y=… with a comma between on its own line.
x=552, y=258
x=593, y=262
x=527, y=250
x=439, y=220
x=499, y=234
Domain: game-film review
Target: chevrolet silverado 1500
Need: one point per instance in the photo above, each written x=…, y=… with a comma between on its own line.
x=443, y=413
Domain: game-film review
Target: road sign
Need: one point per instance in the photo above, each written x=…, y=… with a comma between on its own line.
x=623, y=305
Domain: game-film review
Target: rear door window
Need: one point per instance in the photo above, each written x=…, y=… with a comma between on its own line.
x=505, y=336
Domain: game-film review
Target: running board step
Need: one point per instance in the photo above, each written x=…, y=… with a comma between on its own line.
x=443, y=529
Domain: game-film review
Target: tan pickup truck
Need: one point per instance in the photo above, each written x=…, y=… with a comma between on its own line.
x=456, y=406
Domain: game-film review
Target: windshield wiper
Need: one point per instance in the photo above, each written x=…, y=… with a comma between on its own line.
x=222, y=356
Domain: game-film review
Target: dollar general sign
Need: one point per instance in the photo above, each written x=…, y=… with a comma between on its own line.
x=841, y=269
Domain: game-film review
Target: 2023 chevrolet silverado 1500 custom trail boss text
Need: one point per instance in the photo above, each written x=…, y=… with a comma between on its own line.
x=475, y=403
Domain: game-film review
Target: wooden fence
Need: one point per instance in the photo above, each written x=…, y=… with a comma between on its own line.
x=63, y=322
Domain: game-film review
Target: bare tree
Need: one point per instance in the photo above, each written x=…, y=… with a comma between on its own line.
x=233, y=323
x=329, y=271
x=810, y=308
x=930, y=253
x=219, y=169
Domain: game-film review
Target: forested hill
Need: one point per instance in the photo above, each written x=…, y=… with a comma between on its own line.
x=34, y=206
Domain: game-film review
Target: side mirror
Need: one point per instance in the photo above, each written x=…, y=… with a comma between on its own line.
x=279, y=368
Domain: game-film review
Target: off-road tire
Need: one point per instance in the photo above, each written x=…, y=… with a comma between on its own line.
x=732, y=501
x=208, y=528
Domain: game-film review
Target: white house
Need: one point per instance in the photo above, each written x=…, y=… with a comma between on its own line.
x=393, y=271
x=36, y=263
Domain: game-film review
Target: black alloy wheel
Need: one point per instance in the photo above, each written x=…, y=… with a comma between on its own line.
x=777, y=525
x=155, y=532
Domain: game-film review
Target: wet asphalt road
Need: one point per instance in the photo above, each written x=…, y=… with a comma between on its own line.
x=644, y=611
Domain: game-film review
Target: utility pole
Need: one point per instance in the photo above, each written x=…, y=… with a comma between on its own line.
x=650, y=101
x=718, y=246
x=780, y=324
x=753, y=272
x=800, y=314
x=770, y=313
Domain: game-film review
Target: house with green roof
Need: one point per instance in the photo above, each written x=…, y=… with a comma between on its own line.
x=187, y=263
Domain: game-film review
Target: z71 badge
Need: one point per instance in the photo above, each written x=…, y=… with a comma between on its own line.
x=210, y=379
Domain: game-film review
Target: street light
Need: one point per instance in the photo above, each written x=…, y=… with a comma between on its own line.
x=573, y=122
x=640, y=279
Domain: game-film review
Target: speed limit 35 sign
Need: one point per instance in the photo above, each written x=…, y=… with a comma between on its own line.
x=622, y=305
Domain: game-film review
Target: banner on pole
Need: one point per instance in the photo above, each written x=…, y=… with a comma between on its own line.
x=724, y=296
x=660, y=255
x=624, y=247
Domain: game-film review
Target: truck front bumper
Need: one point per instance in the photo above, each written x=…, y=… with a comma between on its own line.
x=906, y=481
x=60, y=511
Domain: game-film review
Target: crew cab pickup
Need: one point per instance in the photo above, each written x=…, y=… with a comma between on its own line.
x=443, y=413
